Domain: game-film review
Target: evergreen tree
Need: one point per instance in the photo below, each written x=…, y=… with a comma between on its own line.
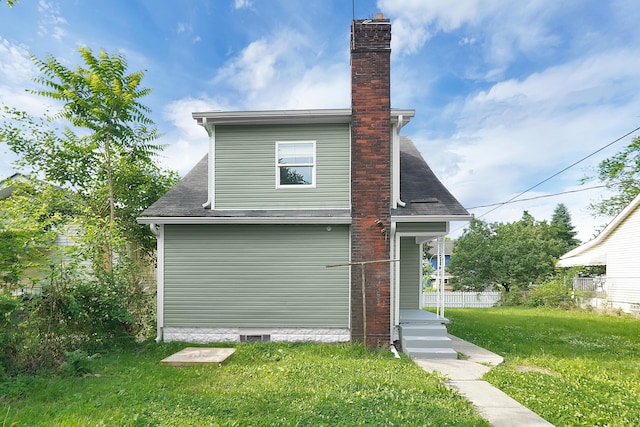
x=562, y=228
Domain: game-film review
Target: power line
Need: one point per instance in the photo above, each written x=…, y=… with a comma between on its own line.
x=498, y=205
x=539, y=197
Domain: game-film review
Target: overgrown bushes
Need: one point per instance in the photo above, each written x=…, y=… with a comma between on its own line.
x=551, y=294
x=74, y=312
x=554, y=293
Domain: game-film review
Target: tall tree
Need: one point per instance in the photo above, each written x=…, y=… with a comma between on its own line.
x=472, y=262
x=103, y=99
x=106, y=155
x=562, y=227
x=504, y=254
x=620, y=173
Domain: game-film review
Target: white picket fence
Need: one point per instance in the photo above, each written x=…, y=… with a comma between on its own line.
x=462, y=299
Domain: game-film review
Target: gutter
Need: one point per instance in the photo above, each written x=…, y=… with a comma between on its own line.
x=245, y=220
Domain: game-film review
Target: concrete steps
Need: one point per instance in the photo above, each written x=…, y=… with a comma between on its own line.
x=426, y=339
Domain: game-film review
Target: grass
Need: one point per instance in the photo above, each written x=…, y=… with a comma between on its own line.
x=571, y=367
x=260, y=385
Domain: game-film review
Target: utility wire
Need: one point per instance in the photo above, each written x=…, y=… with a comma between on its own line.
x=539, y=197
x=498, y=205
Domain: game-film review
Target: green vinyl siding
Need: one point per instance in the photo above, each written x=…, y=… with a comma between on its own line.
x=246, y=167
x=421, y=227
x=258, y=276
x=409, y=274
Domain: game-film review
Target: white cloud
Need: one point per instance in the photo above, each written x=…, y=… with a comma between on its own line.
x=496, y=27
x=273, y=73
x=16, y=66
x=254, y=68
x=269, y=73
x=242, y=4
x=17, y=72
x=416, y=21
x=181, y=27
x=187, y=142
x=321, y=87
x=521, y=131
x=51, y=22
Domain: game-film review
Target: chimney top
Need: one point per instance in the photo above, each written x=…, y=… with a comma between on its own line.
x=379, y=15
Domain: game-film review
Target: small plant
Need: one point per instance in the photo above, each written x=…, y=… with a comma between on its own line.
x=78, y=363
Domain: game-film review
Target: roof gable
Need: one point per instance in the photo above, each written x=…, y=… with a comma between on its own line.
x=593, y=251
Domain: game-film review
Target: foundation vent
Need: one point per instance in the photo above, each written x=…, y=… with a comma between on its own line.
x=255, y=338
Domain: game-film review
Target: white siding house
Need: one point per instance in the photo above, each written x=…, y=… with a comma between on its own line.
x=618, y=248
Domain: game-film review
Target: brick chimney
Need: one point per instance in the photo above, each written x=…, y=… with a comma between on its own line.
x=370, y=178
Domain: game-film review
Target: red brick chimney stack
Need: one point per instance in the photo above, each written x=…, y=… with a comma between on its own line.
x=371, y=177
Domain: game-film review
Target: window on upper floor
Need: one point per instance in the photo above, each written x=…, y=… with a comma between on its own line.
x=295, y=164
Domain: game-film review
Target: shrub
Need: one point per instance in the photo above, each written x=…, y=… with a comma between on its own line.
x=10, y=338
x=551, y=294
x=514, y=297
x=73, y=312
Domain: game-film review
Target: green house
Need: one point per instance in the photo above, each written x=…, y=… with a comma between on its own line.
x=266, y=237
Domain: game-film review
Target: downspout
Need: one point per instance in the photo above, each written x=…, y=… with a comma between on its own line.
x=396, y=162
x=394, y=351
x=154, y=229
x=395, y=273
x=211, y=176
x=158, y=231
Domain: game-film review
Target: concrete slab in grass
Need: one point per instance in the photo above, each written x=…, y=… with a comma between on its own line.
x=191, y=356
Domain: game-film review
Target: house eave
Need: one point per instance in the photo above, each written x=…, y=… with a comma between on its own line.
x=430, y=218
x=245, y=220
x=275, y=117
x=272, y=117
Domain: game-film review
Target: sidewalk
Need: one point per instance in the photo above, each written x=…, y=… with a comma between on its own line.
x=464, y=376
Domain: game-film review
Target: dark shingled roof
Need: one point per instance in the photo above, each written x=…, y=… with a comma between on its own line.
x=185, y=199
x=420, y=189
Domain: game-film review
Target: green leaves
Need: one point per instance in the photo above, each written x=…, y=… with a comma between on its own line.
x=105, y=154
x=506, y=254
x=32, y=217
x=621, y=174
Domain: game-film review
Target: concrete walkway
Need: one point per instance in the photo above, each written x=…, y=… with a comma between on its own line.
x=465, y=377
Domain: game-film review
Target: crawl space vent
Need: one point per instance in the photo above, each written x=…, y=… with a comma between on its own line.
x=255, y=338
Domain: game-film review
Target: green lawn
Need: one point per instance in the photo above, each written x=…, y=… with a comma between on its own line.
x=571, y=367
x=261, y=385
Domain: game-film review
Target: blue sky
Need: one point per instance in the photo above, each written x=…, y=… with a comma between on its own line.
x=506, y=93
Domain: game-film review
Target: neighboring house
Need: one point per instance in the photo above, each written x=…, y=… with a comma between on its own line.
x=28, y=282
x=448, y=248
x=265, y=238
x=618, y=248
x=8, y=185
x=439, y=266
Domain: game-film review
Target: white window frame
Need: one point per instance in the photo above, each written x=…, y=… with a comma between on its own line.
x=312, y=165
